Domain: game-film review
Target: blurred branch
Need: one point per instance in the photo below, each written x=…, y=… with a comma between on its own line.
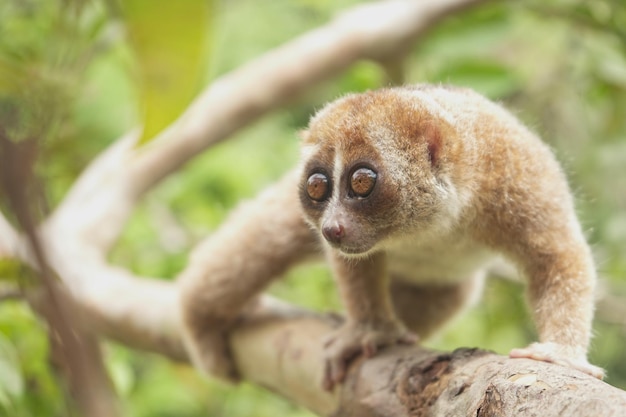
x=8, y=239
x=75, y=350
x=103, y=197
x=374, y=31
x=395, y=67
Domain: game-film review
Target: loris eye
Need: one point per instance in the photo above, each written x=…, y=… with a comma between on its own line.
x=362, y=182
x=317, y=187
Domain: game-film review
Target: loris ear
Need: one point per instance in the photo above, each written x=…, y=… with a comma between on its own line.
x=433, y=134
x=307, y=147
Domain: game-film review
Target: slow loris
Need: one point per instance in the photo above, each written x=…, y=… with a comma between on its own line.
x=411, y=191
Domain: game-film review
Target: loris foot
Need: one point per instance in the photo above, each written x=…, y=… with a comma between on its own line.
x=210, y=354
x=353, y=339
x=561, y=355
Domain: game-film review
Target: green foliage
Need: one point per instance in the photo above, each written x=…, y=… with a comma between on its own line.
x=10, y=269
x=168, y=39
x=11, y=382
x=68, y=77
x=29, y=386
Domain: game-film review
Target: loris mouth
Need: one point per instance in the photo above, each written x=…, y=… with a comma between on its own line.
x=350, y=248
x=353, y=250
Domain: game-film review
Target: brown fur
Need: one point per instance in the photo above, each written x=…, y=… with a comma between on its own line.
x=458, y=179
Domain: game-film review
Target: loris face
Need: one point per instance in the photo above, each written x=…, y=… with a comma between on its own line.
x=369, y=171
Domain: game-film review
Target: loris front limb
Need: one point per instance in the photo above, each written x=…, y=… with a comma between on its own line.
x=371, y=323
x=528, y=213
x=561, y=288
x=255, y=245
x=557, y=262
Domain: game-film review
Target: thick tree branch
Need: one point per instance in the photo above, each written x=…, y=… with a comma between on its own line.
x=280, y=348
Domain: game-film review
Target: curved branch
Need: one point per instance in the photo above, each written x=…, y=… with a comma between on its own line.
x=8, y=239
x=371, y=31
x=103, y=197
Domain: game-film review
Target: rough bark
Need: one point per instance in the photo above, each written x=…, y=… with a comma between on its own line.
x=412, y=381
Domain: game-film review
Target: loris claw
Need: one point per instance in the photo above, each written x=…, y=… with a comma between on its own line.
x=354, y=339
x=561, y=355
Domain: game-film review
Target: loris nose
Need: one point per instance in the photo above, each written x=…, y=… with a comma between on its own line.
x=333, y=232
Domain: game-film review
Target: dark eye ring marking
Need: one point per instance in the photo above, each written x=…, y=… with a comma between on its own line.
x=317, y=187
x=362, y=182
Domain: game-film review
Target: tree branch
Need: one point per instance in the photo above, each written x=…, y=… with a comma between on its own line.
x=371, y=31
x=8, y=239
x=280, y=348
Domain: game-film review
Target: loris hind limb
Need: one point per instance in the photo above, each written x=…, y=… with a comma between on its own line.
x=256, y=244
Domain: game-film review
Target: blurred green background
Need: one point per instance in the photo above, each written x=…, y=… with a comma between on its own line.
x=78, y=74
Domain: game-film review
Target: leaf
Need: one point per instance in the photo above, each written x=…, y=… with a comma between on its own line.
x=362, y=76
x=121, y=374
x=169, y=41
x=11, y=78
x=10, y=270
x=11, y=382
x=16, y=274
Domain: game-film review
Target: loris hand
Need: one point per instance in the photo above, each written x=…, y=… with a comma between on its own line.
x=561, y=355
x=353, y=339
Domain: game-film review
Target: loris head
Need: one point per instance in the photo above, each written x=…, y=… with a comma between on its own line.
x=374, y=169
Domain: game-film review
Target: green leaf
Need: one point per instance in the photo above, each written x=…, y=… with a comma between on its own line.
x=169, y=40
x=11, y=78
x=362, y=76
x=121, y=374
x=10, y=270
x=11, y=382
x=18, y=274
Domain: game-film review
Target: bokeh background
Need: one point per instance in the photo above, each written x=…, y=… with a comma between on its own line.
x=78, y=74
